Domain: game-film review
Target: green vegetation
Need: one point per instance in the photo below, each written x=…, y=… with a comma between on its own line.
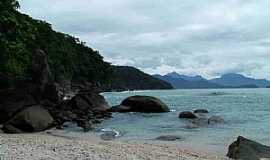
x=130, y=78
x=21, y=36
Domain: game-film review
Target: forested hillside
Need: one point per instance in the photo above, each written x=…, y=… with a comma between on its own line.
x=130, y=78
x=21, y=36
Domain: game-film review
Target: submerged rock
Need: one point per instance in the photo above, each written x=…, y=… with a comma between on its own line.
x=120, y=108
x=187, y=115
x=168, y=138
x=32, y=119
x=215, y=119
x=245, y=149
x=201, y=111
x=145, y=104
x=108, y=136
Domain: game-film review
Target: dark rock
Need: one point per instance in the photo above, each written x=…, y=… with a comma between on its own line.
x=85, y=108
x=4, y=81
x=245, y=149
x=200, y=122
x=187, y=115
x=51, y=92
x=168, y=138
x=13, y=101
x=40, y=71
x=108, y=136
x=120, y=108
x=201, y=111
x=32, y=119
x=215, y=119
x=145, y=104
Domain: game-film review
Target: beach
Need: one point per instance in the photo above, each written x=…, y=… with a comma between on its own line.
x=56, y=146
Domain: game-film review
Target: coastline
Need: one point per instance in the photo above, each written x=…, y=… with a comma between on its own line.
x=57, y=146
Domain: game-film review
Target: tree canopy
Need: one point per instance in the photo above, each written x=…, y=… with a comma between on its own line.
x=21, y=36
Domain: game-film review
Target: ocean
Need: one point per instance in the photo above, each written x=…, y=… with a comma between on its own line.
x=246, y=112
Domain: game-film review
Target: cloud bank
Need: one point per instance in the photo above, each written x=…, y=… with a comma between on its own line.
x=206, y=37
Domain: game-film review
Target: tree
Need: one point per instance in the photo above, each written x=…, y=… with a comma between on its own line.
x=9, y=5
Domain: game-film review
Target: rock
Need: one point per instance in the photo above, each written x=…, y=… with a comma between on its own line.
x=246, y=149
x=200, y=122
x=40, y=70
x=32, y=119
x=120, y=108
x=145, y=104
x=51, y=92
x=13, y=101
x=187, y=115
x=4, y=81
x=168, y=138
x=215, y=119
x=201, y=111
x=84, y=108
x=108, y=136
x=95, y=101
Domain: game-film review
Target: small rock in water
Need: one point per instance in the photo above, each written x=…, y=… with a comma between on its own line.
x=187, y=114
x=168, y=138
x=215, y=119
x=201, y=111
x=108, y=136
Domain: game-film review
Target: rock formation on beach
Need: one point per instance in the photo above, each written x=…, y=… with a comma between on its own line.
x=36, y=104
x=245, y=149
x=145, y=104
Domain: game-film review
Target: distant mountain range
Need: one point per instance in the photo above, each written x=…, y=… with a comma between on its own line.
x=231, y=80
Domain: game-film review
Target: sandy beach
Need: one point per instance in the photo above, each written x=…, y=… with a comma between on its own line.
x=44, y=146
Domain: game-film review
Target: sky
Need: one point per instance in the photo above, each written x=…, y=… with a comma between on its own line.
x=205, y=37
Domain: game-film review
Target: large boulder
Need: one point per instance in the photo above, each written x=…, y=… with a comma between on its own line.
x=13, y=101
x=187, y=115
x=145, y=104
x=245, y=149
x=32, y=119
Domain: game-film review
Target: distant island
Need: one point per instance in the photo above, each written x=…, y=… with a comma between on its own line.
x=231, y=80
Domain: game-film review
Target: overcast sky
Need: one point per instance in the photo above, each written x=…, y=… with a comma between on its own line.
x=206, y=37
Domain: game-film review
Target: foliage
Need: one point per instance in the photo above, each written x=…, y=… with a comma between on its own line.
x=130, y=78
x=21, y=36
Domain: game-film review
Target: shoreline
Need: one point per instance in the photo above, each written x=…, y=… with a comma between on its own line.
x=58, y=146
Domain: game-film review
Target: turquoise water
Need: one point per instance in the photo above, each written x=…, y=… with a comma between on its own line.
x=246, y=112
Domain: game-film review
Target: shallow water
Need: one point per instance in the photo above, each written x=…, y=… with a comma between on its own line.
x=246, y=112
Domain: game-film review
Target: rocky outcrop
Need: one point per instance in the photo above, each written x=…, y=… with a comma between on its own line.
x=245, y=149
x=84, y=108
x=145, y=104
x=40, y=95
x=14, y=101
x=32, y=119
x=187, y=115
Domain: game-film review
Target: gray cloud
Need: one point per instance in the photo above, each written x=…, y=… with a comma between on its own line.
x=192, y=37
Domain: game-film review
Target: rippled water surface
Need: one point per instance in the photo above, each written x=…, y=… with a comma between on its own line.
x=246, y=112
